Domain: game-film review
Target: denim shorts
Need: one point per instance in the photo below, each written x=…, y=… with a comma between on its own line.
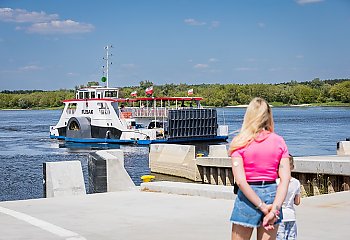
x=244, y=213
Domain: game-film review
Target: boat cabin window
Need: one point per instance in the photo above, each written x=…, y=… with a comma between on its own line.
x=139, y=125
x=86, y=95
x=154, y=124
x=81, y=95
x=72, y=106
x=98, y=95
x=92, y=94
x=115, y=106
x=111, y=93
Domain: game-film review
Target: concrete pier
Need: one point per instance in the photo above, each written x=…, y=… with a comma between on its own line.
x=318, y=174
x=174, y=159
x=136, y=215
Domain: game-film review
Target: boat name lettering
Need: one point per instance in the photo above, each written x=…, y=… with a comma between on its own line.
x=87, y=111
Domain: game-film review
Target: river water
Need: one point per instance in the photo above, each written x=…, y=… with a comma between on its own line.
x=25, y=144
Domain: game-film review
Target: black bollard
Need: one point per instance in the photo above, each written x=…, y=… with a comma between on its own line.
x=97, y=174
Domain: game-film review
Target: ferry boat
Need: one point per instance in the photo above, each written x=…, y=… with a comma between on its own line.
x=98, y=115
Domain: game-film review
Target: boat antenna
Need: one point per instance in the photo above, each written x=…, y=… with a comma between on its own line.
x=107, y=59
x=223, y=115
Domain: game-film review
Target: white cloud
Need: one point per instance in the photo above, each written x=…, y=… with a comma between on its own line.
x=251, y=60
x=193, y=22
x=201, y=66
x=60, y=27
x=72, y=74
x=30, y=68
x=302, y=2
x=23, y=16
x=215, y=71
x=261, y=24
x=128, y=65
x=214, y=24
x=42, y=22
x=246, y=69
x=213, y=60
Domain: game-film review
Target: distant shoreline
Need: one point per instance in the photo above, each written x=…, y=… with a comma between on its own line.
x=230, y=106
x=28, y=109
x=293, y=105
x=238, y=106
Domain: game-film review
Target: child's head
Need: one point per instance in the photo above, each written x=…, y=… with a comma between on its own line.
x=291, y=162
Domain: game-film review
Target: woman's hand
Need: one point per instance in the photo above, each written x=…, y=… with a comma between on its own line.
x=266, y=208
x=269, y=220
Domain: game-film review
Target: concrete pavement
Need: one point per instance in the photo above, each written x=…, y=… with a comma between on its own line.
x=137, y=215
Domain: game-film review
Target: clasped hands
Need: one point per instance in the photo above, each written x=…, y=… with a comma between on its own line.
x=271, y=216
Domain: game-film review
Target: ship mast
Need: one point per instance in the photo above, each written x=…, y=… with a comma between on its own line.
x=107, y=58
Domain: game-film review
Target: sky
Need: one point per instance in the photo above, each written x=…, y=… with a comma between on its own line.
x=59, y=44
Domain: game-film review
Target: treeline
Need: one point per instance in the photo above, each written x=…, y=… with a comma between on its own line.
x=219, y=95
x=35, y=99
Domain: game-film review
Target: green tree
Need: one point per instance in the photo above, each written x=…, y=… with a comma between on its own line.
x=341, y=92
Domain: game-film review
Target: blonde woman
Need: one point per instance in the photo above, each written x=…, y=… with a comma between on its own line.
x=259, y=157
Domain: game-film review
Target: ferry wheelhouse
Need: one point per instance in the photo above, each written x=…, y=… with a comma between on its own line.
x=98, y=115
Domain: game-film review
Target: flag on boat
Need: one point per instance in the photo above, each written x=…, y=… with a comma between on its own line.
x=149, y=90
x=190, y=91
x=134, y=93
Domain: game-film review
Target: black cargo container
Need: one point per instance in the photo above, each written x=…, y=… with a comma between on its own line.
x=190, y=123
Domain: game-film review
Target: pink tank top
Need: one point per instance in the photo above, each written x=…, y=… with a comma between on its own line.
x=261, y=158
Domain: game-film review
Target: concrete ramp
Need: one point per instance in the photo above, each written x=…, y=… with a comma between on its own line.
x=63, y=179
x=174, y=159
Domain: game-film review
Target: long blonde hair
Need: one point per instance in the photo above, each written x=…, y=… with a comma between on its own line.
x=258, y=117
